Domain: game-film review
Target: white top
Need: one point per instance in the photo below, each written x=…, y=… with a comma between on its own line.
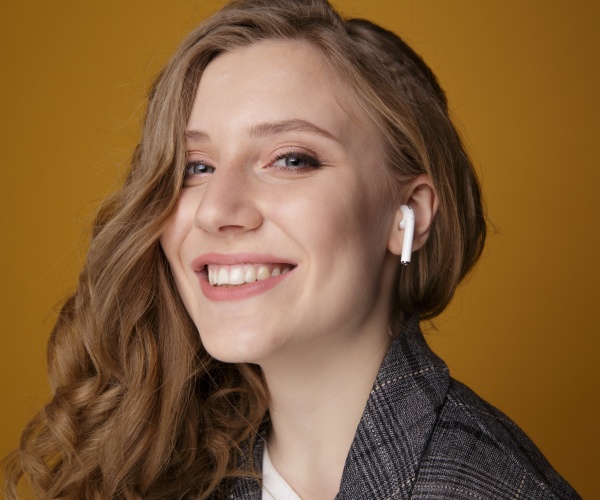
x=274, y=486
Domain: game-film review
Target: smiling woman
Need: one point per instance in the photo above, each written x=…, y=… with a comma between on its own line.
x=244, y=326
x=274, y=149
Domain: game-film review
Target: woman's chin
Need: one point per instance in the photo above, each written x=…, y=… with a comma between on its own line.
x=239, y=347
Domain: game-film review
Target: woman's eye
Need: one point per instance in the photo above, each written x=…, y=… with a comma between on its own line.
x=197, y=168
x=296, y=161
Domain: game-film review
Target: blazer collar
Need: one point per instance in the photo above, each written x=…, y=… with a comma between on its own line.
x=395, y=427
x=398, y=420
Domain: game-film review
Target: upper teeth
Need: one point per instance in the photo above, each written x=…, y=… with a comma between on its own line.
x=244, y=273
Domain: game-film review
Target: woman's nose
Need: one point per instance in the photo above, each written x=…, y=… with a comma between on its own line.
x=228, y=203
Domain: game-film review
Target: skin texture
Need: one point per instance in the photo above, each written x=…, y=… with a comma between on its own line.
x=320, y=332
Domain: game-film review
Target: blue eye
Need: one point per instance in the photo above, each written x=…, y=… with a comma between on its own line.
x=198, y=168
x=195, y=172
x=296, y=161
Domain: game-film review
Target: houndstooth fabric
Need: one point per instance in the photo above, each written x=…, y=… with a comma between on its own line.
x=424, y=435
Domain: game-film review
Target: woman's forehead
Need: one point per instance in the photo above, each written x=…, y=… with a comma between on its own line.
x=272, y=81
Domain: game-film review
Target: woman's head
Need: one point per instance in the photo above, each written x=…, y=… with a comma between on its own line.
x=279, y=237
x=381, y=84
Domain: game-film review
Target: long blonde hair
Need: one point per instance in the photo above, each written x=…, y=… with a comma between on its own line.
x=139, y=409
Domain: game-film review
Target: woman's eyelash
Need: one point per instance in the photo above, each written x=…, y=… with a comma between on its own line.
x=296, y=161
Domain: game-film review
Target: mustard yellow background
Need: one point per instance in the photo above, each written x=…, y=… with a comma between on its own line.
x=524, y=86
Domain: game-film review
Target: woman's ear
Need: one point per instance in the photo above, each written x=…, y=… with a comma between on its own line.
x=420, y=195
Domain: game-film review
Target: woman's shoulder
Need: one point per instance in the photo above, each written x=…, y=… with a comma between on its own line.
x=477, y=451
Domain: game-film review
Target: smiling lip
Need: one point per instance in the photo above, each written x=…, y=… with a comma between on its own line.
x=247, y=261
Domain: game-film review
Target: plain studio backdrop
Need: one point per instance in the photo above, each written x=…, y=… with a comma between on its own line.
x=522, y=80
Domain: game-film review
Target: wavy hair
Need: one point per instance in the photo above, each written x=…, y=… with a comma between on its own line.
x=139, y=409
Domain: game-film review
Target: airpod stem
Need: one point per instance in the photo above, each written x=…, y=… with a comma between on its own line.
x=408, y=224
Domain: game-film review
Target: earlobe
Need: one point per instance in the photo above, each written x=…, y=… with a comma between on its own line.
x=413, y=218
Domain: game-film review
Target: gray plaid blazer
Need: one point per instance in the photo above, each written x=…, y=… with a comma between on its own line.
x=424, y=435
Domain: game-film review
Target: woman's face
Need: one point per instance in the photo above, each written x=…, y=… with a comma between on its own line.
x=279, y=240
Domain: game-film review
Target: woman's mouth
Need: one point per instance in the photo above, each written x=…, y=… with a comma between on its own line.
x=240, y=274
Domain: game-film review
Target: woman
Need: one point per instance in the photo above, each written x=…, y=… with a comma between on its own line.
x=244, y=308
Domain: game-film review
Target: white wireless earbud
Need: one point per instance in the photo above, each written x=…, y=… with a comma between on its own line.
x=408, y=224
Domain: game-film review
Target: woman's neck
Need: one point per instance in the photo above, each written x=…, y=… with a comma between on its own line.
x=317, y=399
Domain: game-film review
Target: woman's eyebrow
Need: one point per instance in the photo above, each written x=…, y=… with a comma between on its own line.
x=269, y=128
x=197, y=136
x=297, y=125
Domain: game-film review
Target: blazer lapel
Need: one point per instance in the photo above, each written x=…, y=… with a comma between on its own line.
x=397, y=422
